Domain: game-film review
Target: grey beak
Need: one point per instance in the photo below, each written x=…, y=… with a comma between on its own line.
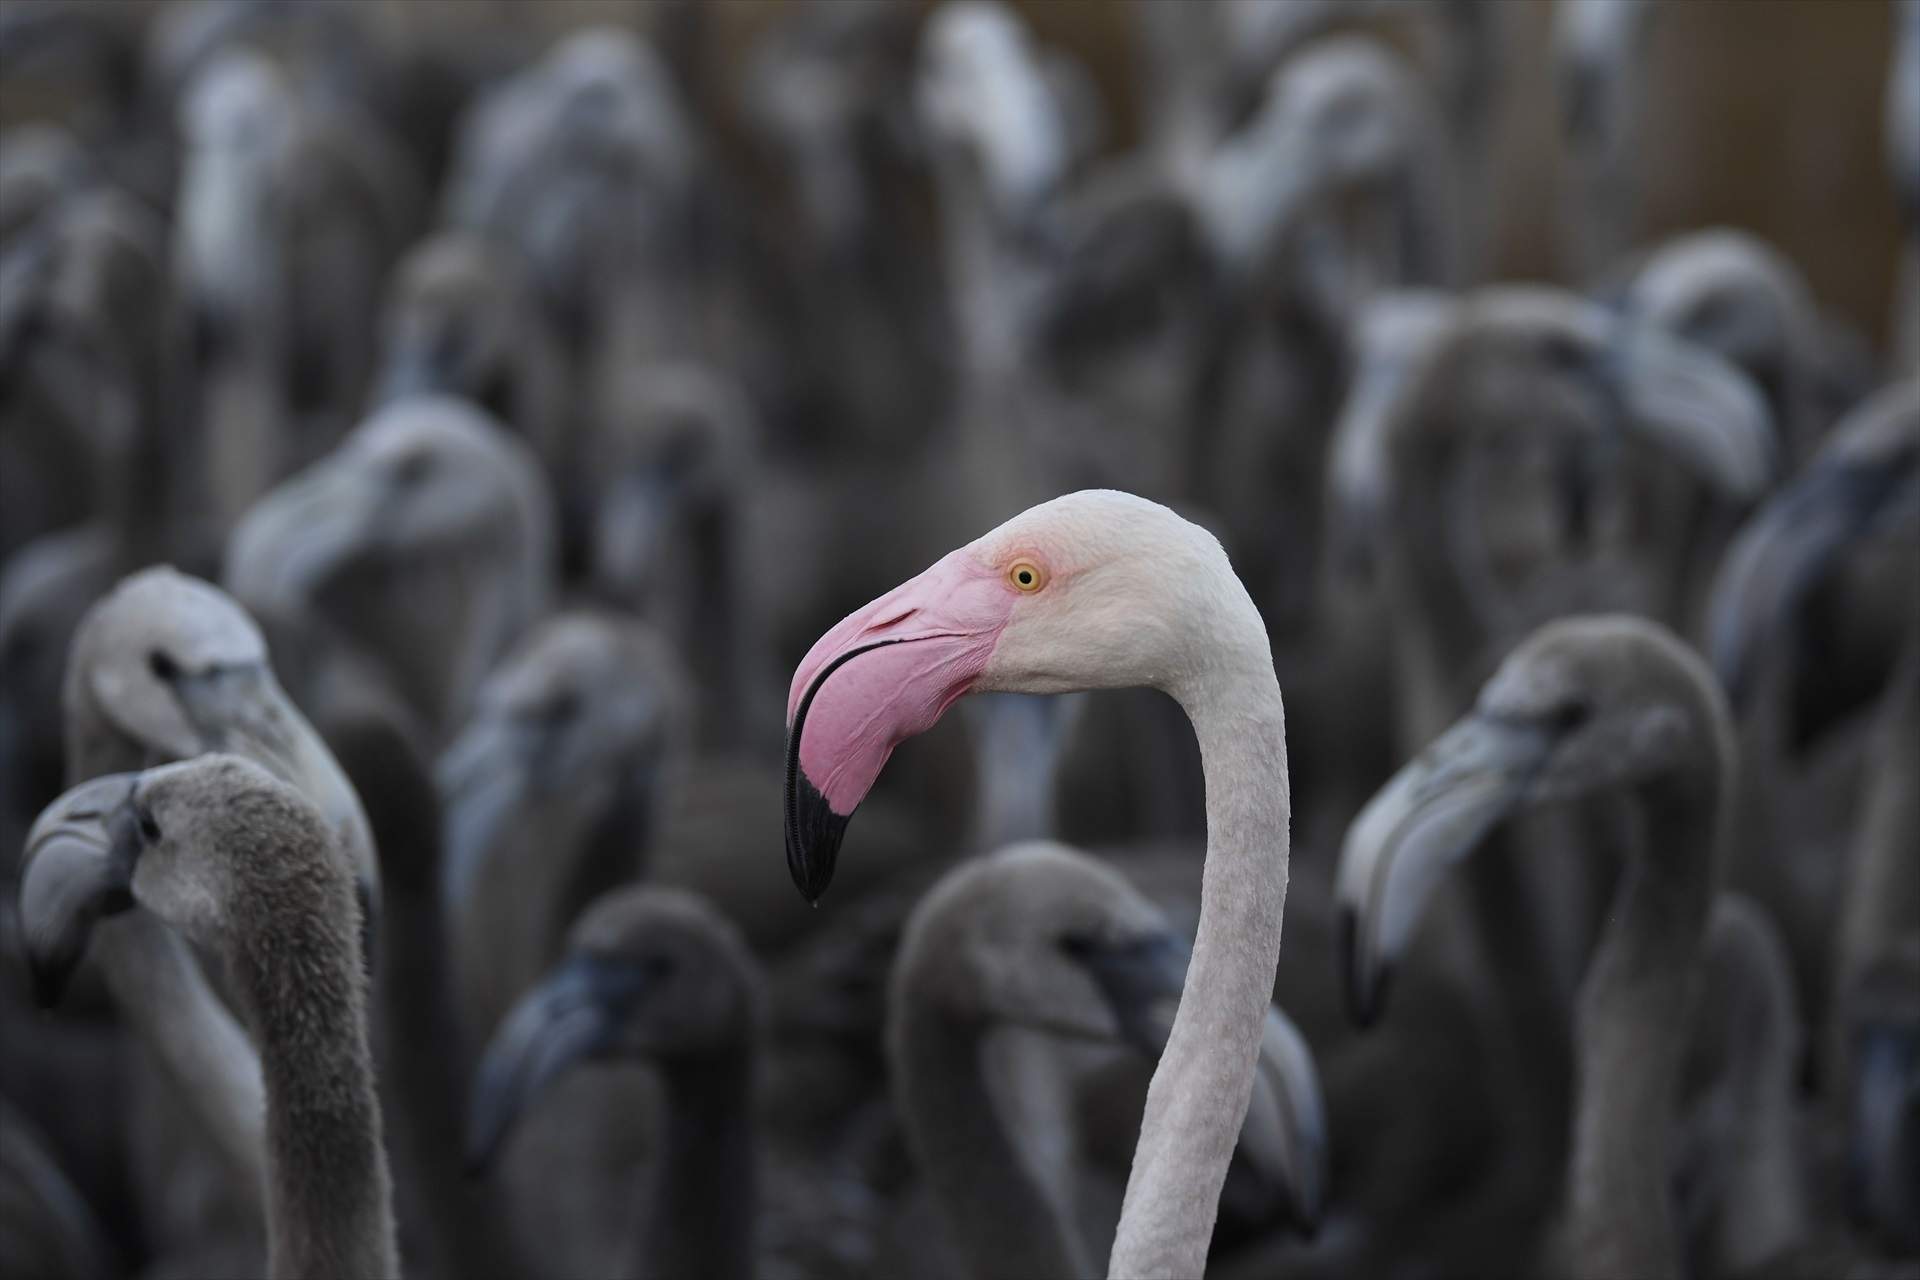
x=416, y=368
x=293, y=541
x=1284, y=1138
x=1430, y=815
x=241, y=708
x=1256, y=184
x=573, y=1015
x=1697, y=406
x=1393, y=335
x=1883, y=1153
x=78, y=867
x=1141, y=979
x=1785, y=552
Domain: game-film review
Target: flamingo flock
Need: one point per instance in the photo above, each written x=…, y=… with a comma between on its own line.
x=1413, y=507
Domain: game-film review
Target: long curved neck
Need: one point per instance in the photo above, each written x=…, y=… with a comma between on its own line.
x=422, y=1089
x=1885, y=882
x=1200, y=1090
x=712, y=628
x=436, y=627
x=425, y=1092
x=996, y=1212
x=1631, y=1039
x=1439, y=641
x=701, y=1210
x=1759, y=1203
x=329, y=1206
x=159, y=987
x=1442, y=639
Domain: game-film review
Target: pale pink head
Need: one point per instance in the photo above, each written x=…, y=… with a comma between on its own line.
x=1094, y=590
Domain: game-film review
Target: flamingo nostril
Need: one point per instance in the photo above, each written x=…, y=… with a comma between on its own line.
x=894, y=619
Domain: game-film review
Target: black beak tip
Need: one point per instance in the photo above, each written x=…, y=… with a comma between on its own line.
x=814, y=832
x=49, y=981
x=1733, y=665
x=1310, y=1203
x=1366, y=992
x=482, y=1145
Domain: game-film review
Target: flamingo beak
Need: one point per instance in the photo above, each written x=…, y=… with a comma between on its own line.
x=78, y=867
x=1785, y=552
x=302, y=535
x=574, y=1015
x=1429, y=816
x=1141, y=979
x=1704, y=409
x=1283, y=1140
x=885, y=673
x=1884, y=1139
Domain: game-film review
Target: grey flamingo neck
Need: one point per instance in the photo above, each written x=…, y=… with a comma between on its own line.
x=702, y=1204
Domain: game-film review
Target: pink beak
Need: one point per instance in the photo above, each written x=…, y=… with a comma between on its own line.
x=883, y=674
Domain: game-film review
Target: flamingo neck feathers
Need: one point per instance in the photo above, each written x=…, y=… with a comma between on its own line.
x=425, y=1092
x=1632, y=1029
x=710, y=631
x=1202, y=1085
x=701, y=1213
x=304, y=990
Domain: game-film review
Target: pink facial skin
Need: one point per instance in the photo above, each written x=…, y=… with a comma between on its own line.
x=934, y=633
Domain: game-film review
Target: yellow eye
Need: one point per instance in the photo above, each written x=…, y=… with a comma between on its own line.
x=1025, y=575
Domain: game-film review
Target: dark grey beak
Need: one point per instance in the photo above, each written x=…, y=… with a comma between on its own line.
x=299, y=537
x=1883, y=1150
x=241, y=708
x=1697, y=406
x=1283, y=1141
x=1429, y=816
x=78, y=867
x=1140, y=978
x=573, y=1015
x=1786, y=551
x=418, y=367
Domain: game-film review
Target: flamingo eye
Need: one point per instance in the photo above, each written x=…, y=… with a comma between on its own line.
x=1026, y=576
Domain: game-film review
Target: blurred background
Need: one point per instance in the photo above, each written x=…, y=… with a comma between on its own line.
x=519, y=388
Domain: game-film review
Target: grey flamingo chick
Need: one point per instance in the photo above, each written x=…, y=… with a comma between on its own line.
x=424, y=543
x=244, y=865
x=1597, y=705
x=1044, y=938
x=552, y=794
x=168, y=667
x=655, y=975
